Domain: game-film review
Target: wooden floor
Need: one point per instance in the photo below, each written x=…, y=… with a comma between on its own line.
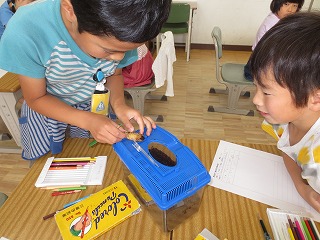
x=185, y=114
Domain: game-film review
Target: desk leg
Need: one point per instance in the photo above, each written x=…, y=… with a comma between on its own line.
x=9, y=115
x=188, y=42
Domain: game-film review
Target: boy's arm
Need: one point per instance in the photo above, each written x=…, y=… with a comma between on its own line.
x=124, y=112
x=37, y=98
x=302, y=186
x=115, y=85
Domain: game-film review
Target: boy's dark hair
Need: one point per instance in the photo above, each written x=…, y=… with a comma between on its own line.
x=290, y=50
x=275, y=5
x=135, y=21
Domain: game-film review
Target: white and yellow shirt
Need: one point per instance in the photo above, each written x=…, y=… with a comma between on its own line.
x=306, y=153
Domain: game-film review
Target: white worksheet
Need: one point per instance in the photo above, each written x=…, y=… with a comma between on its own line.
x=257, y=175
x=2, y=72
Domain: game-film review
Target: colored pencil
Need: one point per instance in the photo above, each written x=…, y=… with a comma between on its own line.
x=64, y=193
x=309, y=228
x=65, y=206
x=51, y=214
x=265, y=232
x=65, y=167
x=74, y=159
x=64, y=186
x=290, y=232
x=313, y=229
x=94, y=142
x=71, y=188
x=300, y=231
x=294, y=231
x=81, y=163
x=306, y=229
x=76, y=201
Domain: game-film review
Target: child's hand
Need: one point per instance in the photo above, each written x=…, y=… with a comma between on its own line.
x=125, y=114
x=311, y=196
x=104, y=130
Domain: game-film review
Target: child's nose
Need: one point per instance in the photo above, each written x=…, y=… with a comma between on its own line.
x=291, y=9
x=257, y=98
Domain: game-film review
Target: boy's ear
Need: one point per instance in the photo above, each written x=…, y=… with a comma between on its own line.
x=314, y=101
x=68, y=11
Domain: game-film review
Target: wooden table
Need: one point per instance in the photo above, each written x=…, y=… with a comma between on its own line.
x=224, y=214
x=10, y=93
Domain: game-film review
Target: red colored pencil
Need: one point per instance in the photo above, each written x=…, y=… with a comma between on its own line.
x=309, y=228
x=315, y=234
x=64, y=193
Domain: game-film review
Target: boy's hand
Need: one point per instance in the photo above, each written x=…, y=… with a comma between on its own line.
x=125, y=114
x=104, y=130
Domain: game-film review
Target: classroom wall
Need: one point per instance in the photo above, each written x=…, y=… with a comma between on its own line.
x=238, y=20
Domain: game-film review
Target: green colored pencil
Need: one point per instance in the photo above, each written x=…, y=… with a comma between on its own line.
x=94, y=142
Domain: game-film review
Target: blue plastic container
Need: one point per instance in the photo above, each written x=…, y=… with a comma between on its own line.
x=168, y=171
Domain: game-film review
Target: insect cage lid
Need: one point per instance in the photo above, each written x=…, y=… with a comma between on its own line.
x=168, y=178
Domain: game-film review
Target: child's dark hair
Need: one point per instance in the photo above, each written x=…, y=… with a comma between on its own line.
x=135, y=21
x=290, y=51
x=275, y=5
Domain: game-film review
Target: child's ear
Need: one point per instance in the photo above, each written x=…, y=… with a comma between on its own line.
x=314, y=101
x=67, y=7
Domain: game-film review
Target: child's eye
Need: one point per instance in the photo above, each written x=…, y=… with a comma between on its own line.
x=107, y=51
x=265, y=93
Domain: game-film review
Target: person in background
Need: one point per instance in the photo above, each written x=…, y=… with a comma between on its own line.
x=140, y=72
x=286, y=73
x=279, y=9
x=65, y=53
x=7, y=9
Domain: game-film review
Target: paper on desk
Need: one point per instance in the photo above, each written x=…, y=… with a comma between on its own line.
x=2, y=72
x=257, y=175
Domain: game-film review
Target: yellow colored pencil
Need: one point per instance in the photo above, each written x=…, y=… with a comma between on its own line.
x=290, y=232
x=74, y=159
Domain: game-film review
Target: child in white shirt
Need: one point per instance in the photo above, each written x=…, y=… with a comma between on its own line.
x=285, y=67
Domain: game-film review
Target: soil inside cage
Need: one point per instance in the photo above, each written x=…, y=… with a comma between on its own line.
x=162, y=154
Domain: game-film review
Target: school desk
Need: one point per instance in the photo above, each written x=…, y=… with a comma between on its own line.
x=225, y=214
x=10, y=93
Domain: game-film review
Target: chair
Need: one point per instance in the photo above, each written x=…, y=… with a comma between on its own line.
x=162, y=68
x=3, y=198
x=140, y=94
x=232, y=76
x=178, y=22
